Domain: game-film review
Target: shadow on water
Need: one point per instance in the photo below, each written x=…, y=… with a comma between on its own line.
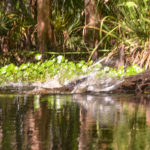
x=74, y=122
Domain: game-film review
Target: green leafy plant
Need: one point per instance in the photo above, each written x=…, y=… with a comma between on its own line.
x=38, y=56
x=127, y=24
x=121, y=72
x=58, y=67
x=6, y=22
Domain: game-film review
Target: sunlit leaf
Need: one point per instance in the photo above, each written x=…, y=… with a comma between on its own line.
x=130, y=4
x=38, y=56
x=60, y=59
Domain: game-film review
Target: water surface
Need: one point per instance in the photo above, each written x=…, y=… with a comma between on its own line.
x=74, y=122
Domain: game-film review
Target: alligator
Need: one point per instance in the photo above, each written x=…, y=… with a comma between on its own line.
x=139, y=83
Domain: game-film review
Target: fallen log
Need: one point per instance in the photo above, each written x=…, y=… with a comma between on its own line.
x=139, y=83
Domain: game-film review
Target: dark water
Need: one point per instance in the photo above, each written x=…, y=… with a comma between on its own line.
x=74, y=122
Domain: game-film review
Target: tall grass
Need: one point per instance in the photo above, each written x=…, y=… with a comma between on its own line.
x=132, y=20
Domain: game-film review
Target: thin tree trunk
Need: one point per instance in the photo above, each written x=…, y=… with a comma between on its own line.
x=92, y=19
x=44, y=27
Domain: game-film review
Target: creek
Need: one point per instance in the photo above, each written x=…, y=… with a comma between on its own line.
x=74, y=122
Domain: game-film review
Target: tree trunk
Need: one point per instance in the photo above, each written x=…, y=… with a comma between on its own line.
x=92, y=19
x=45, y=33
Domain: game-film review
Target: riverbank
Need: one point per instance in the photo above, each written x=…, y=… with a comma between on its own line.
x=58, y=75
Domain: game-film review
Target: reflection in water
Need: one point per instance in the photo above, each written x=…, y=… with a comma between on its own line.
x=78, y=122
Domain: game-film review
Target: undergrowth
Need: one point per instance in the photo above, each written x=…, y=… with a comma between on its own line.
x=59, y=68
x=41, y=71
x=122, y=71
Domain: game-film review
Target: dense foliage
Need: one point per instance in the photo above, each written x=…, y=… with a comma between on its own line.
x=121, y=72
x=61, y=69
x=123, y=25
x=131, y=29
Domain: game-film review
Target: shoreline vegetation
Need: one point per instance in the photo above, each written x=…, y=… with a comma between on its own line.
x=62, y=69
x=33, y=31
x=60, y=75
